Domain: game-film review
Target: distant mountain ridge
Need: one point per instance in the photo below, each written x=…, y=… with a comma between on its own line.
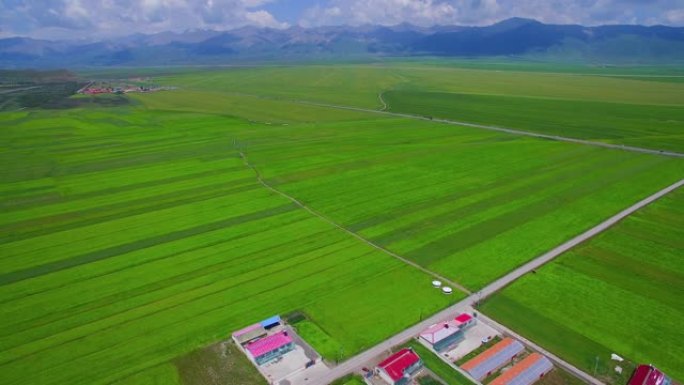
x=513, y=37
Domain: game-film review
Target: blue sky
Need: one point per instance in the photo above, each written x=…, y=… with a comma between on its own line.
x=78, y=19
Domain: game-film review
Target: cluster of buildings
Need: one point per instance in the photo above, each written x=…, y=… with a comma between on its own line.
x=506, y=362
x=108, y=88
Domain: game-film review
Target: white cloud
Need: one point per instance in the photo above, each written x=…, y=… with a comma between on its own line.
x=94, y=19
x=262, y=18
x=385, y=12
x=484, y=12
x=102, y=18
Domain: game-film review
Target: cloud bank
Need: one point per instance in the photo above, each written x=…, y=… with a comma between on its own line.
x=103, y=18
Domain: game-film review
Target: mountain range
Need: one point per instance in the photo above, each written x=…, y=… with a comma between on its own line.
x=515, y=37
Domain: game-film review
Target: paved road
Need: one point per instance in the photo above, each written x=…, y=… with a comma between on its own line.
x=359, y=360
x=355, y=235
x=466, y=124
x=497, y=128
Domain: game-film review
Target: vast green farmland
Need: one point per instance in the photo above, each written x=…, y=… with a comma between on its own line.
x=134, y=234
x=468, y=204
x=130, y=237
x=626, y=110
x=620, y=293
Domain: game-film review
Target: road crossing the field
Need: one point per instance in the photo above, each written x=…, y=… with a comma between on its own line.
x=355, y=363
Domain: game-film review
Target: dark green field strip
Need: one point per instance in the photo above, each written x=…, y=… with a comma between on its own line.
x=464, y=191
x=629, y=274
x=48, y=268
x=125, y=160
x=653, y=234
x=565, y=190
x=56, y=223
x=148, y=175
x=102, y=199
x=123, y=301
x=31, y=252
x=168, y=303
x=18, y=203
x=574, y=118
x=194, y=289
x=167, y=317
x=507, y=194
x=497, y=194
x=165, y=260
x=571, y=346
x=427, y=173
x=76, y=281
x=170, y=268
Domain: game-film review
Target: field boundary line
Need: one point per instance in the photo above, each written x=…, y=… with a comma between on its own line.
x=355, y=235
x=358, y=361
x=498, y=129
x=512, y=131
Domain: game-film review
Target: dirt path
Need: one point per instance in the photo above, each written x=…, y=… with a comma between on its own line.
x=382, y=100
x=355, y=235
x=359, y=360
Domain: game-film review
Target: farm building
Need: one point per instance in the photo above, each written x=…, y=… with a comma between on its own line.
x=649, y=375
x=493, y=358
x=443, y=335
x=249, y=334
x=254, y=332
x=525, y=372
x=398, y=368
x=464, y=320
x=271, y=347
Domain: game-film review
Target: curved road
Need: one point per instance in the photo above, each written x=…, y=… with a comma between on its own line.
x=361, y=359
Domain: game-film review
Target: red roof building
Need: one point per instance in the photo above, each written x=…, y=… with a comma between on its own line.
x=271, y=347
x=398, y=368
x=649, y=375
x=464, y=319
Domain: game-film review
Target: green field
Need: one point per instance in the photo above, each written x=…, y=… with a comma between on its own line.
x=468, y=204
x=135, y=234
x=659, y=127
x=618, y=293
